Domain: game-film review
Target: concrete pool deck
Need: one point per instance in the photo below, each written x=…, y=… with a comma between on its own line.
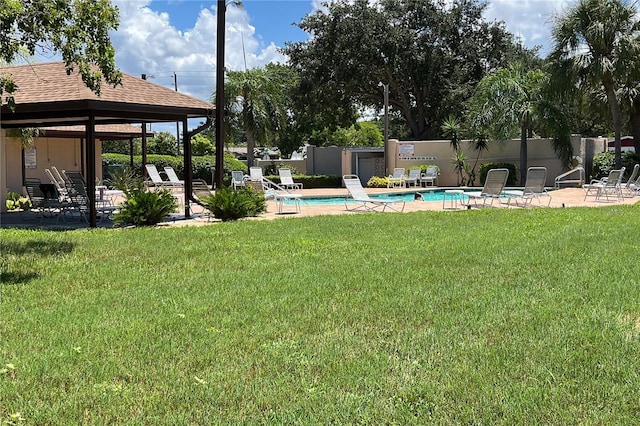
x=567, y=197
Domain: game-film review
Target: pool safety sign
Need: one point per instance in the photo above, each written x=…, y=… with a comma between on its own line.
x=407, y=151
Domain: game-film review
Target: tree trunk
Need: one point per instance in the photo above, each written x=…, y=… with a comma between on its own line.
x=635, y=124
x=616, y=115
x=523, y=155
x=251, y=144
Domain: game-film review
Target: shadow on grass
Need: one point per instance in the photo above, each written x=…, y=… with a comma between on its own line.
x=37, y=248
x=16, y=278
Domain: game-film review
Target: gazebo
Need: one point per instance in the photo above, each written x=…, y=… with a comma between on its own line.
x=49, y=96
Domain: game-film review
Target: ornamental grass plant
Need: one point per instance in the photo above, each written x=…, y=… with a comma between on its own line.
x=494, y=316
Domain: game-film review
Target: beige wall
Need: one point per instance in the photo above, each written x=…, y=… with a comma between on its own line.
x=409, y=154
x=63, y=153
x=3, y=173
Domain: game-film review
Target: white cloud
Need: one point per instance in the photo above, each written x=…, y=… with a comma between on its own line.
x=146, y=42
x=530, y=20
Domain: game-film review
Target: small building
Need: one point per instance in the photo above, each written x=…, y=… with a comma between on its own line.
x=628, y=144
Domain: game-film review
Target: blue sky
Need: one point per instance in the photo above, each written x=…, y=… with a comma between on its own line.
x=273, y=18
x=163, y=37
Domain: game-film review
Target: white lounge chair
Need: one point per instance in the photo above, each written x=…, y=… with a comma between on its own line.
x=59, y=184
x=155, y=179
x=397, y=178
x=429, y=177
x=533, y=188
x=286, y=180
x=255, y=173
x=173, y=177
x=610, y=185
x=237, y=179
x=493, y=187
x=629, y=186
x=634, y=187
x=357, y=193
x=277, y=195
x=413, y=178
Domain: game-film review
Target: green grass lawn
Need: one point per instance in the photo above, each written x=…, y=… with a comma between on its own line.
x=495, y=316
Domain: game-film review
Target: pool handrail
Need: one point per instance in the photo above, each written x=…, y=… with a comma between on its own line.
x=559, y=179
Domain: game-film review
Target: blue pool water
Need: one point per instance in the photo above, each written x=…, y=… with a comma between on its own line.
x=436, y=195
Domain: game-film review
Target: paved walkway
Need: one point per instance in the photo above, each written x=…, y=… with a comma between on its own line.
x=568, y=197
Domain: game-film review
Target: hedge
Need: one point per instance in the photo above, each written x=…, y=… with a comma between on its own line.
x=484, y=168
x=202, y=167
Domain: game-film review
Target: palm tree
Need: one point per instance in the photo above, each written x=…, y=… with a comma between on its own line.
x=593, y=41
x=506, y=102
x=452, y=129
x=254, y=99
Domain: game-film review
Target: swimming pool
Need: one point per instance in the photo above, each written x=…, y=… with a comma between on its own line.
x=432, y=195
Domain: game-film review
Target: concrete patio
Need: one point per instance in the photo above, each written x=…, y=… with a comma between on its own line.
x=567, y=198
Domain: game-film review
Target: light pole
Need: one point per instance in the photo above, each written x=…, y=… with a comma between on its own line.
x=220, y=113
x=386, y=127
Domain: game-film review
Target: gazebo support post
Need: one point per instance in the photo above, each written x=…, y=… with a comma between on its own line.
x=91, y=168
x=188, y=168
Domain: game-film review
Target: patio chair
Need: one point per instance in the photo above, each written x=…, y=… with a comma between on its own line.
x=237, y=179
x=533, y=188
x=628, y=187
x=173, y=177
x=60, y=176
x=200, y=189
x=429, y=177
x=610, y=185
x=79, y=199
x=286, y=180
x=412, y=178
x=634, y=187
x=493, y=187
x=59, y=184
x=44, y=198
x=397, y=178
x=155, y=179
x=357, y=193
x=279, y=196
x=255, y=173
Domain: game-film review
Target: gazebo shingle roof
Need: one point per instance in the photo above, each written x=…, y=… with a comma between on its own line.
x=49, y=82
x=48, y=96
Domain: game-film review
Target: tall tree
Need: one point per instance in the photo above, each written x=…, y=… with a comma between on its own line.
x=77, y=29
x=506, y=103
x=254, y=100
x=431, y=53
x=594, y=42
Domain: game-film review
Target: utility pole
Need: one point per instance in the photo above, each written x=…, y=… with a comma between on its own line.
x=175, y=84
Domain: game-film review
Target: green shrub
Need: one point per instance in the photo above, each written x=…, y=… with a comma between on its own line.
x=423, y=168
x=378, y=182
x=629, y=159
x=228, y=204
x=123, y=178
x=484, y=168
x=313, y=181
x=142, y=208
x=603, y=164
x=16, y=201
